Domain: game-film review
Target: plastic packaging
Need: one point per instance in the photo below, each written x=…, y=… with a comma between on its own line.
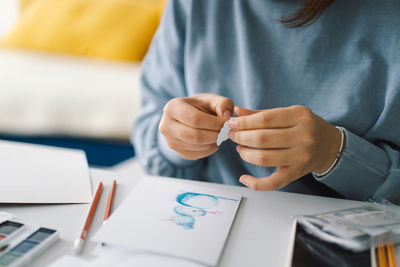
x=356, y=229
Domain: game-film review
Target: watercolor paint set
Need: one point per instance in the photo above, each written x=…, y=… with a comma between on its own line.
x=21, y=243
x=8, y=230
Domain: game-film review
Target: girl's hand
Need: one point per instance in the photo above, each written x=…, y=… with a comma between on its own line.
x=293, y=139
x=191, y=125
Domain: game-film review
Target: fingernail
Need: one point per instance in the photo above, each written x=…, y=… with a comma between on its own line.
x=227, y=114
x=235, y=110
x=238, y=148
x=244, y=180
x=233, y=123
x=230, y=134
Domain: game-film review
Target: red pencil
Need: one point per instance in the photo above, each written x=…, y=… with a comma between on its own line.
x=110, y=201
x=78, y=245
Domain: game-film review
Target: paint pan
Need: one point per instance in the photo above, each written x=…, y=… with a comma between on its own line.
x=9, y=230
x=28, y=249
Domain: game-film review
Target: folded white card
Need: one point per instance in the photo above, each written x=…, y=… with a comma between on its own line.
x=43, y=174
x=163, y=216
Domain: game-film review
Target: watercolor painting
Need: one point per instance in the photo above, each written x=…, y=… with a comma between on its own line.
x=191, y=205
x=169, y=217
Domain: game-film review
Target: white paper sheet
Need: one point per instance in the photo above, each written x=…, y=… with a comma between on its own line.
x=42, y=174
x=69, y=261
x=118, y=257
x=163, y=216
x=109, y=255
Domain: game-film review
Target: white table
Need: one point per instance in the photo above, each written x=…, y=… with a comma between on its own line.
x=260, y=235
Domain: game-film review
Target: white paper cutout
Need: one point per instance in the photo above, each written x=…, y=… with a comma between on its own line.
x=223, y=133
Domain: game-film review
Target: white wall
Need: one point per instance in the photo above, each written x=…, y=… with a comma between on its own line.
x=8, y=15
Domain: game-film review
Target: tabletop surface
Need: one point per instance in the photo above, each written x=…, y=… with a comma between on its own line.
x=260, y=234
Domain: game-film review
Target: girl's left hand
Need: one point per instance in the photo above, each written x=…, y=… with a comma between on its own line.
x=293, y=139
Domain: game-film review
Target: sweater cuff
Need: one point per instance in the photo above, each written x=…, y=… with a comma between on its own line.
x=171, y=155
x=361, y=169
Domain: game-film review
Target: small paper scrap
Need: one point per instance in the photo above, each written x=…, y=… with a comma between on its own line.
x=223, y=133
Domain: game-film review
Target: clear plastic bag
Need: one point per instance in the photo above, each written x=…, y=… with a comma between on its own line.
x=356, y=229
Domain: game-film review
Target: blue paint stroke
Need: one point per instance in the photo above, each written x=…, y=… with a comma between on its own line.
x=185, y=221
x=191, y=205
x=189, y=211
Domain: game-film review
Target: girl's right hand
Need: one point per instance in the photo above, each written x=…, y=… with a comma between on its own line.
x=191, y=125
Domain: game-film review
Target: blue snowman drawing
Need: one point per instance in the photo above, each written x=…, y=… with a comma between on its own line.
x=192, y=205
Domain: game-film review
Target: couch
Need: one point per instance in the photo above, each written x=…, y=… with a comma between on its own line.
x=67, y=100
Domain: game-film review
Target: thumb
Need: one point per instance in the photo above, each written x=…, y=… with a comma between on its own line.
x=281, y=177
x=244, y=111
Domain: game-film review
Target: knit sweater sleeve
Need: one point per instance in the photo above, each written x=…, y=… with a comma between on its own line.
x=369, y=167
x=163, y=79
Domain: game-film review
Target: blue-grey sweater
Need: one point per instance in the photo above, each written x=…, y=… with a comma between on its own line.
x=345, y=68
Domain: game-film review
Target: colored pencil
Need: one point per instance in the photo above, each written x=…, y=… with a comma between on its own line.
x=385, y=256
x=110, y=201
x=382, y=257
x=391, y=256
x=79, y=242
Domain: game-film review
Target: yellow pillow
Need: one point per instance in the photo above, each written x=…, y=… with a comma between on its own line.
x=110, y=29
x=24, y=4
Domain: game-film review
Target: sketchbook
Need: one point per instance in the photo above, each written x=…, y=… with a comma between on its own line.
x=43, y=174
x=165, y=217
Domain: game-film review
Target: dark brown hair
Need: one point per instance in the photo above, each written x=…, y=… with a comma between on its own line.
x=308, y=13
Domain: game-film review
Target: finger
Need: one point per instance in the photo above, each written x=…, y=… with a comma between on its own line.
x=266, y=119
x=191, y=116
x=179, y=145
x=266, y=157
x=192, y=136
x=239, y=111
x=282, y=177
x=270, y=138
x=173, y=129
x=216, y=104
x=193, y=155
